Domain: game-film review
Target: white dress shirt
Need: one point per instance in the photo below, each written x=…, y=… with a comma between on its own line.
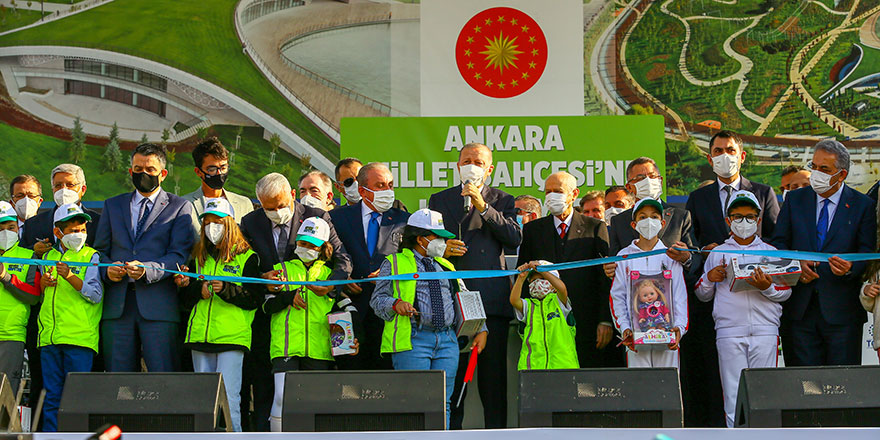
x=735, y=186
x=567, y=221
x=136, y=207
x=20, y=229
x=833, y=201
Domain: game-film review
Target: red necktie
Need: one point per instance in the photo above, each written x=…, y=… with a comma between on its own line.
x=562, y=230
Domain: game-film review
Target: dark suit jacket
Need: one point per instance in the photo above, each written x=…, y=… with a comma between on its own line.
x=40, y=226
x=486, y=235
x=166, y=241
x=588, y=287
x=704, y=204
x=257, y=229
x=853, y=229
x=350, y=227
x=678, y=228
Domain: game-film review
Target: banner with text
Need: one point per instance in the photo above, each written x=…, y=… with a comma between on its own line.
x=423, y=152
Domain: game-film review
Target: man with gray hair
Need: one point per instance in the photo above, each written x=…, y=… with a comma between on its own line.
x=271, y=232
x=823, y=316
x=316, y=190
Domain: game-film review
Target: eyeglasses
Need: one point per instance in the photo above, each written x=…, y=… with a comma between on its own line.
x=213, y=169
x=18, y=196
x=750, y=219
x=641, y=177
x=348, y=182
x=822, y=168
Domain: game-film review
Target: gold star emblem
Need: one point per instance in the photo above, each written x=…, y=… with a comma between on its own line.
x=467, y=52
x=513, y=22
x=532, y=65
x=488, y=21
x=470, y=39
x=501, y=85
x=470, y=65
x=477, y=29
x=501, y=52
x=525, y=75
x=514, y=83
x=488, y=82
x=500, y=19
x=531, y=40
x=534, y=52
x=478, y=76
x=525, y=28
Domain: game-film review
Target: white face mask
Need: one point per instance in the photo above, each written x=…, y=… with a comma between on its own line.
x=305, y=254
x=280, y=216
x=821, y=182
x=649, y=188
x=743, y=229
x=436, y=248
x=725, y=165
x=471, y=173
x=351, y=193
x=26, y=208
x=649, y=227
x=64, y=196
x=382, y=200
x=74, y=241
x=314, y=202
x=611, y=212
x=8, y=239
x=214, y=232
x=540, y=288
x=556, y=203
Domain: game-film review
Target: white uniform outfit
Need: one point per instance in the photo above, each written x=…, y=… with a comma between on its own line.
x=648, y=355
x=746, y=323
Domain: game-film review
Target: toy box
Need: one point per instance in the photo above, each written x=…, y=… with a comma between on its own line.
x=341, y=333
x=783, y=272
x=471, y=316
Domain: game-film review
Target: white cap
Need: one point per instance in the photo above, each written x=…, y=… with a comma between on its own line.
x=430, y=220
x=219, y=207
x=314, y=230
x=743, y=197
x=69, y=211
x=545, y=263
x=7, y=212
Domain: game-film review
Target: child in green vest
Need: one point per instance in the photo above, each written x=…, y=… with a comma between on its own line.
x=548, y=339
x=300, y=331
x=71, y=312
x=218, y=330
x=16, y=296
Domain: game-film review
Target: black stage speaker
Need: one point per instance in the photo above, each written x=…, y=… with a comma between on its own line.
x=808, y=396
x=364, y=401
x=9, y=420
x=600, y=398
x=144, y=402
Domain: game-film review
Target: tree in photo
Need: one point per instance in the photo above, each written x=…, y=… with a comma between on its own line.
x=145, y=139
x=274, y=144
x=112, y=154
x=78, y=143
x=166, y=134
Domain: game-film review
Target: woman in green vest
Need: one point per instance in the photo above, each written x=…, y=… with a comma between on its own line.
x=218, y=330
x=16, y=296
x=548, y=339
x=420, y=315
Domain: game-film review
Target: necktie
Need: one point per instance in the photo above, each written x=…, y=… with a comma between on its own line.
x=438, y=317
x=822, y=225
x=281, y=246
x=727, y=189
x=142, y=219
x=373, y=232
x=562, y=228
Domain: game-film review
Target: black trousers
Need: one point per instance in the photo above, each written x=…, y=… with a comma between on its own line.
x=816, y=341
x=699, y=372
x=257, y=373
x=491, y=375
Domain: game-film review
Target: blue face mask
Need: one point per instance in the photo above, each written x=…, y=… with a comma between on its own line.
x=519, y=219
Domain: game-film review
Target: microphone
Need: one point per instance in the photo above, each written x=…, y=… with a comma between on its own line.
x=467, y=199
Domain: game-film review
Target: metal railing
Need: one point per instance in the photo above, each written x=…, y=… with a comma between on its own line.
x=261, y=8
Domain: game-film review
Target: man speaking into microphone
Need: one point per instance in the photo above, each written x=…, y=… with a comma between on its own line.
x=484, y=219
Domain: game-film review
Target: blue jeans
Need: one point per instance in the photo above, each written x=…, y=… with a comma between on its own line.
x=432, y=350
x=57, y=361
x=228, y=364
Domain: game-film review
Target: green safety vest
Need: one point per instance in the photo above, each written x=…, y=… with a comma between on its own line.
x=14, y=313
x=215, y=321
x=397, y=335
x=548, y=340
x=303, y=332
x=66, y=316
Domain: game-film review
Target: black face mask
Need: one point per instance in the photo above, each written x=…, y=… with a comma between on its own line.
x=144, y=182
x=216, y=181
